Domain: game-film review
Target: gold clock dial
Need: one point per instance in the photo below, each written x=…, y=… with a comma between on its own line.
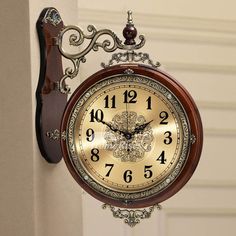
x=128, y=136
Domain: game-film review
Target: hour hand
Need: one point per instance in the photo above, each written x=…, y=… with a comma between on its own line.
x=127, y=135
x=109, y=125
x=141, y=128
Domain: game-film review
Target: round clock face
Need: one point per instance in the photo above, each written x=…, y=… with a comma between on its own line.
x=133, y=136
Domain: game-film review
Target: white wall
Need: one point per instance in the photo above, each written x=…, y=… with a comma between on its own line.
x=16, y=155
x=209, y=9
x=36, y=198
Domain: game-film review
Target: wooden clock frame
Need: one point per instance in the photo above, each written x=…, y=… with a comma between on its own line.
x=194, y=122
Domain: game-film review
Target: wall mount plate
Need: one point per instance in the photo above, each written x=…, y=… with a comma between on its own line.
x=50, y=102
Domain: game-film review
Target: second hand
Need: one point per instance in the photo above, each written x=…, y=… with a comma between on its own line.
x=127, y=126
x=127, y=119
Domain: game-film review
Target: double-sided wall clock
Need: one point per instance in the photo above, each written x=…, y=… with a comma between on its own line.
x=130, y=134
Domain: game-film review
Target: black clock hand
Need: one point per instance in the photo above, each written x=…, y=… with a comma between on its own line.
x=141, y=128
x=107, y=124
x=111, y=127
x=127, y=135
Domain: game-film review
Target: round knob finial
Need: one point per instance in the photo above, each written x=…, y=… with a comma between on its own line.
x=129, y=32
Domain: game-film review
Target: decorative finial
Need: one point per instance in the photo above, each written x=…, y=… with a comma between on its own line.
x=129, y=32
x=130, y=18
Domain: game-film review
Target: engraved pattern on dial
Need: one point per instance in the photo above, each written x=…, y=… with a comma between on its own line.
x=133, y=147
x=94, y=113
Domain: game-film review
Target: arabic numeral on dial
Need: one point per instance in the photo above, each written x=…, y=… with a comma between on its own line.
x=130, y=96
x=96, y=115
x=110, y=102
x=90, y=135
x=147, y=172
x=94, y=154
x=127, y=176
x=162, y=158
x=168, y=138
x=164, y=116
x=110, y=168
x=149, y=103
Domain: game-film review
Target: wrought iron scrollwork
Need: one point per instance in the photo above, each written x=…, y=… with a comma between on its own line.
x=77, y=37
x=131, y=216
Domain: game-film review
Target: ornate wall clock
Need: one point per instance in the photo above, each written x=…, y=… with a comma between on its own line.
x=130, y=135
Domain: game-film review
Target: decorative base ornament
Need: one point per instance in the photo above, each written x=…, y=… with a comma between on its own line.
x=130, y=134
x=132, y=217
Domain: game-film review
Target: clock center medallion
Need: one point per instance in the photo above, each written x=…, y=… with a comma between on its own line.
x=129, y=136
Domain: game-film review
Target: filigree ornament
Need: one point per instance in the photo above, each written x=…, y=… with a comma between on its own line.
x=52, y=16
x=131, y=56
x=193, y=139
x=70, y=73
x=132, y=217
x=129, y=72
x=56, y=135
x=138, y=142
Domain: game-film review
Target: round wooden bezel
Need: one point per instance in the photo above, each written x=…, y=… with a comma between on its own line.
x=194, y=122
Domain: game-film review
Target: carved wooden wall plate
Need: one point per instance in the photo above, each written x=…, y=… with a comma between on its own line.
x=50, y=102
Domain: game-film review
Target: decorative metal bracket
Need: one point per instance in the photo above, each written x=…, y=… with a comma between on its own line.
x=77, y=37
x=132, y=216
x=54, y=39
